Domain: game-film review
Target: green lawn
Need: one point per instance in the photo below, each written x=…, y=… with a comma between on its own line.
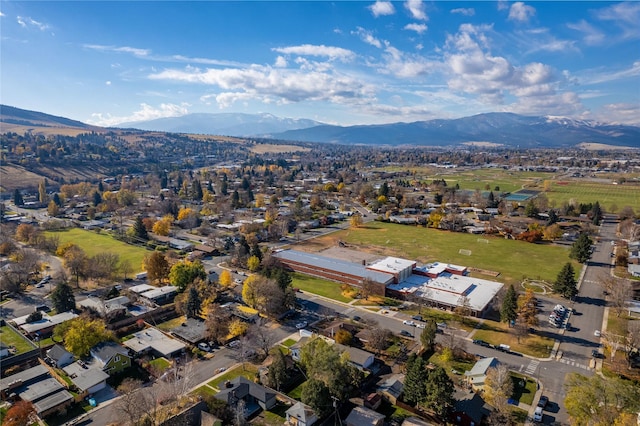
x=160, y=364
x=326, y=288
x=393, y=412
x=11, y=338
x=93, y=243
x=296, y=393
x=498, y=333
x=514, y=260
x=524, y=393
x=204, y=390
x=584, y=192
x=249, y=372
x=289, y=342
x=274, y=417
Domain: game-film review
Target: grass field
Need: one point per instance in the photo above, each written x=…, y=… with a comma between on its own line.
x=524, y=393
x=607, y=194
x=10, y=338
x=514, y=260
x=498, y=333
x=326, y=288
x=249, y=371
x=93, y=243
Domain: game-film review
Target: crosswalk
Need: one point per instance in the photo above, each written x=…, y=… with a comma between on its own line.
x=573, y=363
x=531, y=368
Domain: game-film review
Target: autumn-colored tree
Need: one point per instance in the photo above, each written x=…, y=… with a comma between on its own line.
x=185, y=213
x=76, y=260
x=81, y=334
x=343, y=337
x=21, y=413
x=163, y=226
x=25, y=232
x=356, y=221
x=527, y=309
x=237, y=327
x=225, y=280
x=157, y=266
x=253, y=263
x=52, y=209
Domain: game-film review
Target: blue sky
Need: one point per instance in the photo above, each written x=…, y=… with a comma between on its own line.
x=340, y=62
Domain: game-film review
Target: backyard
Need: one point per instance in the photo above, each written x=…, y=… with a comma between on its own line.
x=10, y=337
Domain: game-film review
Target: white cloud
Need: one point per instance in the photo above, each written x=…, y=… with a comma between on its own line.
x=521, y=12
x=503, y=5
x=382, y=8
x=316, y=50
x=367, y=37
x=599, y=76
x=146, y=112
x=619, y=113
x=563, y=104
x=419, y=28
x=468, y=11
x=403, y=65
x=281, y=62
x=26, y=22
x=626, y=15
x=122, y=49
x=592, y=36
x=416, y=8
x=108, y=83
x=275, y=85
x=2, y=14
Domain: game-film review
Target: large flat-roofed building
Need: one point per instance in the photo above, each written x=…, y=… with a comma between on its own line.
x=401, y=269
x=331, y=269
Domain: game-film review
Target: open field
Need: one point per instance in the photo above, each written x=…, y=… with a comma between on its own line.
x=607, y=194
x=326, y=288
x=10, y=338
x=264, y=148
x=498, y=333
x=13, y=176
x=514, y=260
x=93, y=243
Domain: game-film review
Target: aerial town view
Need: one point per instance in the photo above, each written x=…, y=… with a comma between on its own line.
x=319, y=213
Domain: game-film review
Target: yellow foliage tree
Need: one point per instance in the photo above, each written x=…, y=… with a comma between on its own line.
x=185, y=213
x=356, y=221
x=81, y=334
x=253, y=263
x=225, y=279
x=259, y=200
x=163, y=226
x=237, y=327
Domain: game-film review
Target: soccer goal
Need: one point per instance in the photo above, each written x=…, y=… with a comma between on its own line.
x=483, y=240
x=465, y=252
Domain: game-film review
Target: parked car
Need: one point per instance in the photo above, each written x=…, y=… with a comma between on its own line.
x=204, y=347
x=481, y=343
x=537, y=415
x=596, y=333
x=417, y=317
x=233, y=344
x=542, y=402
x=596, y=354
x=405, y=333
x=301, y=325
x=409, y=322
x=421, y=325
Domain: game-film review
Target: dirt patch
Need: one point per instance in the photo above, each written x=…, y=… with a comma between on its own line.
x=351, y=255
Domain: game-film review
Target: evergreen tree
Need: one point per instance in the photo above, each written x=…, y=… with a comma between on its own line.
x=437, y=198
x=415, y=380
x=566, y=283
x=278, y=370
x=439, y=392
x=194, y=304
x=255, y=251
x=428, y=335
x=509, y=308
x=581, y=249
x=17, y=198
x=596, y=213
x=100, y=186
x=196, y=190
x=553, y=217
x=97, y=198
x=57, y=200
x=384, y=190
x=531, y=210
x=316, y=395
x=139, y=230
x=62, y=298
x=235, y=199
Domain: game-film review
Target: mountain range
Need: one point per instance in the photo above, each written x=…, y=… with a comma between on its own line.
x=504, y=129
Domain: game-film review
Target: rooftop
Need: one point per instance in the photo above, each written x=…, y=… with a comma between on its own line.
x=151, y=338
x=392, y=265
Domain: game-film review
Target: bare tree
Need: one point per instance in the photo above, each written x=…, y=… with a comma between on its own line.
x=379, y=338
x=620, y=295
x=498, y=388
x=261, y=337
x=632, y=340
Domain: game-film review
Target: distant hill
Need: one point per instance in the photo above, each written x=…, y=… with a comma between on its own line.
x=23, y=117
x=510, y=130
x=229, y=124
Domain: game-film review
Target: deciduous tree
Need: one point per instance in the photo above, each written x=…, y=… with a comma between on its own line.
x=317, y=396
x=81, y=334
x=225, y=280
x=157, y=266
x=21, y=413
x=498, y=388
x=185, y=272
x=278, y=373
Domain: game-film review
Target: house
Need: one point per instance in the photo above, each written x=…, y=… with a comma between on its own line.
x=255, y=396
x=37, y=386
x=373, y=401
x=477, y=375
x=86, y=379
x=59, y=356
x=44, y=326
x=192, y=331
x=4, y=350
x=357, y=357
x=469, y=409
x=300, y=414
x=161, y=295
x=634, y=270
x=112, y=308
x=156, y=342
x=110, y=357
x=391, y=387
x=361, y=416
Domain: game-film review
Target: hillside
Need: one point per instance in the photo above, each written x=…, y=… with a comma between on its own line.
x=23, y=117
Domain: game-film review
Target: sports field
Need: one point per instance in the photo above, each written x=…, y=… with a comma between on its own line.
x=608, y=195
x=93, y=243
x=514, y=260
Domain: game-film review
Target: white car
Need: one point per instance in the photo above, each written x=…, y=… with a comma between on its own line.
x=596, y=333
x=420, y=325
x=204, y=347
x=301, y=325
x=537, y=415
x=409, y=322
